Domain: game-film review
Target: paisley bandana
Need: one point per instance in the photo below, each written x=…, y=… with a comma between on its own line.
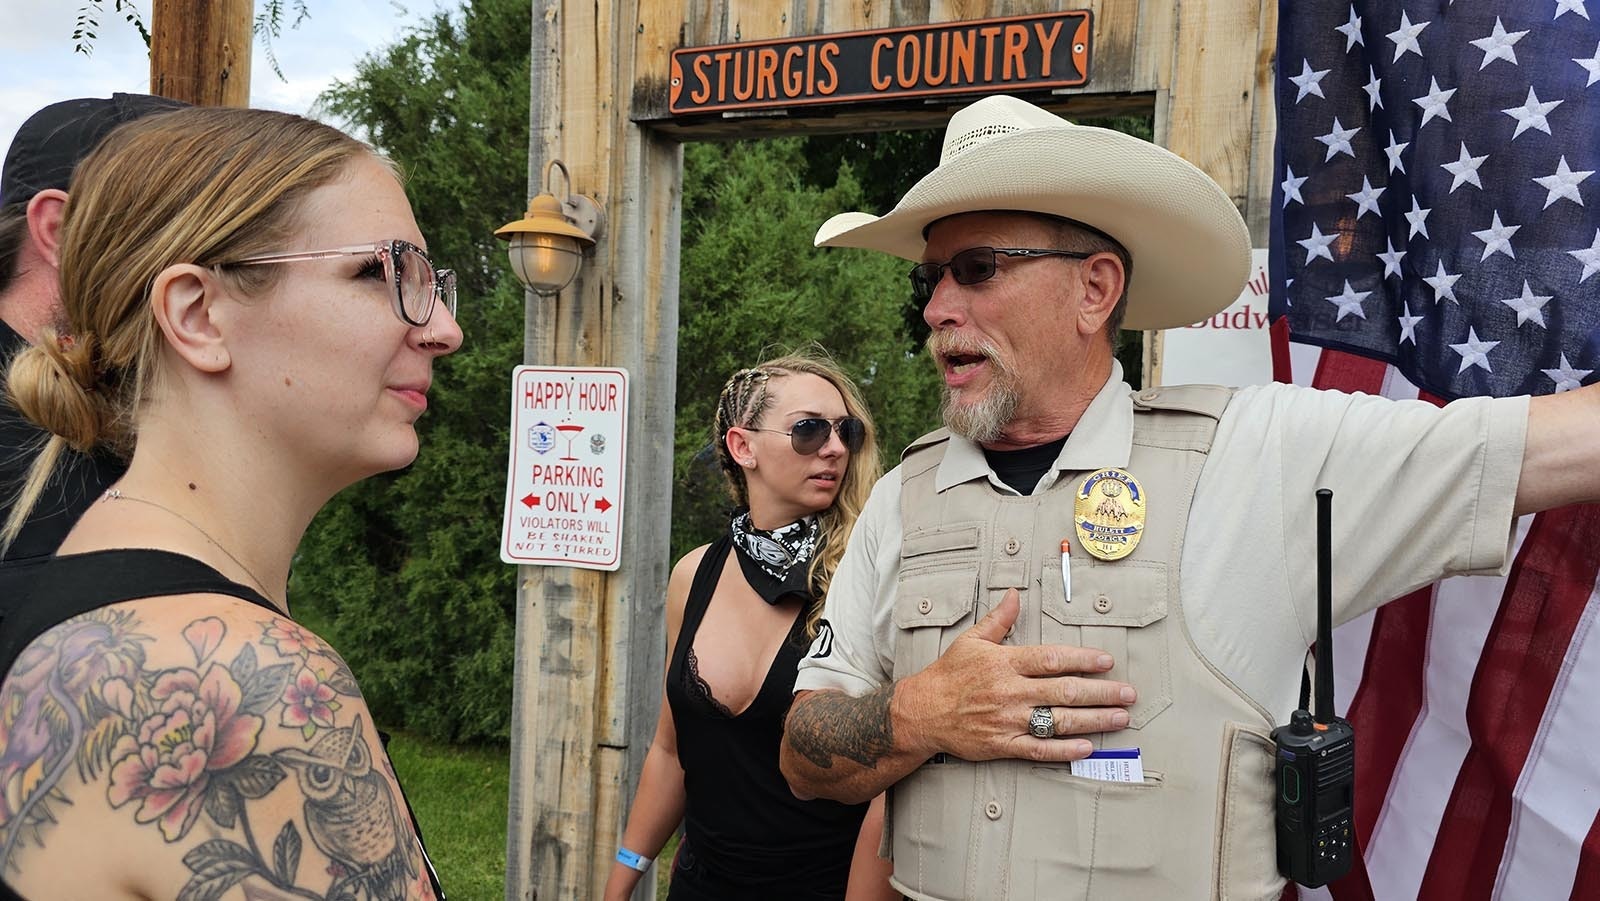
x=776, y=562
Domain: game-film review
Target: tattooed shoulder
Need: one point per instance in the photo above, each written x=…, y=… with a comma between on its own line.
x=235, y=747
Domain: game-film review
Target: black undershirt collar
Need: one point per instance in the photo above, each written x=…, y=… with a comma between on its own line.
x=1022, y=469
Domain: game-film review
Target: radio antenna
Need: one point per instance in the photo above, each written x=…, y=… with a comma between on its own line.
x=1324, y=605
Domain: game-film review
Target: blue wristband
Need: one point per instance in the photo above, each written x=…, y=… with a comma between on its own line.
x=630, y=859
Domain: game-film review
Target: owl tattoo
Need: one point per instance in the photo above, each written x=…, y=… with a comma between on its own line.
x=352, y=817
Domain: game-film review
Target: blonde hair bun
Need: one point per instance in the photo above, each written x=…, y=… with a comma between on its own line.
x=52, y=384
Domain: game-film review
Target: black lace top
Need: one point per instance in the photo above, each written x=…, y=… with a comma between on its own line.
x=744, y=829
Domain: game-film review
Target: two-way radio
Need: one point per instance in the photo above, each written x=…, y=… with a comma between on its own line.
x=1316, y=760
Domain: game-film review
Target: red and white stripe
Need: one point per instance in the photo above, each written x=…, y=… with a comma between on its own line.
x=1476, y=703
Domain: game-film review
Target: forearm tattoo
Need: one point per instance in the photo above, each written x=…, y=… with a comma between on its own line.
x=833, y=724
x=171, y=747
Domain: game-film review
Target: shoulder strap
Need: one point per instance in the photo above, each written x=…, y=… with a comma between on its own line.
x=1179, y=417
x=37, y=595
x=923, y=454
x=703, y=586
x=1206, y=400
x=937, y=436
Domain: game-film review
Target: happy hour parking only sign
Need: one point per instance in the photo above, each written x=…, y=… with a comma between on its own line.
x=564, y=479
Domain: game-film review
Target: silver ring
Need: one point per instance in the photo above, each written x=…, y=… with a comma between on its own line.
x=1042, y=723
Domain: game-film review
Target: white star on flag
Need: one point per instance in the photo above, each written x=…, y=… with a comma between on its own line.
x=1443, y=285
x=1433, y=103
x=1575, y=6
x=1532, y=114
x=1317, y=244
x=1563, y=183
x=1307, y=80
x=1590, y=65
x=1367, y=198
x=1498, y=45
x=1530, y=306
x=1589, y=257
x=1338, y=140
x=1566, y=377
x=1473, y=351
x=1405, y=37
x=1464, y=169
x=1408, y=325
x=1391, y=258
x=1374, y=83
x=1351, y=31
x=1418, y=218
x=1496, y=238
x=1349, y=302
x=1393, y=152
x=1291, y=187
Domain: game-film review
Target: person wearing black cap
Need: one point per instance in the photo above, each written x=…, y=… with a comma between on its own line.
x=33, y=193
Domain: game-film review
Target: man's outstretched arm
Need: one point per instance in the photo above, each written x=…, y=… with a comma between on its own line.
x=1558, y=463
x=973, y=702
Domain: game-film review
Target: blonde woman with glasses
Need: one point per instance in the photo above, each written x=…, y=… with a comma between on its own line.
x=251, y=320
x=798, y=450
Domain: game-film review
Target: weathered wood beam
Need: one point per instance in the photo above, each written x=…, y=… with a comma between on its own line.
x=200, y=51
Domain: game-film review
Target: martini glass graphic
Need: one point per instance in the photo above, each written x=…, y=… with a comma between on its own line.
x=570, y=431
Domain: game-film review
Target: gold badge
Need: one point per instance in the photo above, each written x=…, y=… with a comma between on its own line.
x=1109, y=514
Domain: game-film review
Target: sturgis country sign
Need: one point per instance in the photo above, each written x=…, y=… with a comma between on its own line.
x=1016, y=53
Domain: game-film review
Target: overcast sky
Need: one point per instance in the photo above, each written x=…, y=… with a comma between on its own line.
x=38, y=65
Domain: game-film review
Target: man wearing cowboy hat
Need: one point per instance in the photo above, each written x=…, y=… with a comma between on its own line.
x=1073, y=566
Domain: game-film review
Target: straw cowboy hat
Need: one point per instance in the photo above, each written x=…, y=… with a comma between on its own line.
x=1190, y=247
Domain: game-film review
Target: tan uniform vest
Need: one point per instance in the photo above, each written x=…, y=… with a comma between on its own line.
x=1201, y=824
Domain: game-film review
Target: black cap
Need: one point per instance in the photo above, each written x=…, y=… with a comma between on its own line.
x=55, y=139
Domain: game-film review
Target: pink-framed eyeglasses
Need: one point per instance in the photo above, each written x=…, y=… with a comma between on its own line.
x=414, y=283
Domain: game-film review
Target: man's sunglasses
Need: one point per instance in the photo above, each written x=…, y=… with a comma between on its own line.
x=973, y=265
x=809, y=435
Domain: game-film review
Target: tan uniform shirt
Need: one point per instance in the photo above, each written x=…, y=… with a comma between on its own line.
x=1419, y=493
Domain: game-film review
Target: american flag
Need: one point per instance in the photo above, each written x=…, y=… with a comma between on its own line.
x=1436, y=233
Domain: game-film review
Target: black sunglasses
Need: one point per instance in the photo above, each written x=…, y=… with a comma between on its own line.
x=973, y=265
x=809, y=435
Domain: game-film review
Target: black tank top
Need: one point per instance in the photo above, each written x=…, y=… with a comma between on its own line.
x=37, y=595
x=745, y=831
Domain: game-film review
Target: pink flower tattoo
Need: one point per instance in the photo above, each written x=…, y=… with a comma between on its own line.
x=309, y=702
x=196, y=732
x=290, y=639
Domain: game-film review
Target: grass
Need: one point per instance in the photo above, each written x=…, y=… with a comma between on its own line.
x=664, y=868
x=459, y=795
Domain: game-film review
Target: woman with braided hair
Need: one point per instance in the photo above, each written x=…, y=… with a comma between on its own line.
x=797, y=447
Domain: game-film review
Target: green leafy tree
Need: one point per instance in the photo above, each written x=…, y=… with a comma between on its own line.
x=402, y=571
x=754, y=286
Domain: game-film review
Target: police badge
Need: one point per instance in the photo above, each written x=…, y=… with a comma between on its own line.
x=1109, y=514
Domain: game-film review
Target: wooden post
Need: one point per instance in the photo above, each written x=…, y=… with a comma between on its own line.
x=200, y=51
x=591, y=645
x=1216, y=111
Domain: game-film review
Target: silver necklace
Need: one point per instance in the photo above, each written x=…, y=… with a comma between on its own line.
x=115, y=494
